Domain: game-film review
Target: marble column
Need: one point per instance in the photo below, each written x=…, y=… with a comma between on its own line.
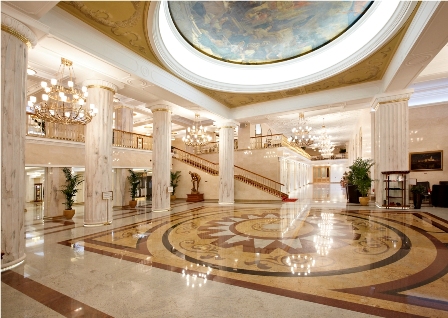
x=226, y=163
x=391, y=138
x=122, y=195
x=161, y=157
x=16, y=40
x=54, y=198
x=124, y=119
x=98, y=148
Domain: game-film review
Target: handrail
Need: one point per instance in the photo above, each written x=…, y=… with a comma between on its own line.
x=286, y=143
x=36, y=127
x=258, y=175
x=263, y=142
x=196, y=161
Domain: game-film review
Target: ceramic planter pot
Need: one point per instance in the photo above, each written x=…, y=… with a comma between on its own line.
x=133, y=203
x=69, y=214
x=417, y=200
x=364, y=200
x=172, y=197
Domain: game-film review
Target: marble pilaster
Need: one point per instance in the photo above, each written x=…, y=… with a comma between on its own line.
x=124, y=119
x=391, y=131
x=54, y=198
x=122, y=195
x=98, y=148
x=283, y=174
x=161, y=157
x=226, y=163
x=16, y=40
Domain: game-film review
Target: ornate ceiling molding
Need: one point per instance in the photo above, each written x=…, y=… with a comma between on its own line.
x=132, y=32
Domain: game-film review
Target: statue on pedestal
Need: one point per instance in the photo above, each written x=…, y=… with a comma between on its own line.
x=195, y=179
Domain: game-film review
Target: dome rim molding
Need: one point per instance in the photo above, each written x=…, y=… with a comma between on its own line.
x=387, y=31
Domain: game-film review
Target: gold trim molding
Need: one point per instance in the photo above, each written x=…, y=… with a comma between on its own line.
x=160, y=110
x=18, y=35
x=394, y=101
x=101, y=86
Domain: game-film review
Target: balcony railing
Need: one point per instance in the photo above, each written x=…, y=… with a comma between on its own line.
x=131, y=140
x=38, y=128
x=335, y=156
x=274, y=141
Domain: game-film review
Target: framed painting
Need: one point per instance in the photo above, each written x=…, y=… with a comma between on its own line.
x=139, y=143
x=426, y=161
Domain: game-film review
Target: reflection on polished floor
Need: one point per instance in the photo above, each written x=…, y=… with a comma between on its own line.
x=313, y=257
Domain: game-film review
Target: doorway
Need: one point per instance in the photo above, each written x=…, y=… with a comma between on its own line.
x=321, y=174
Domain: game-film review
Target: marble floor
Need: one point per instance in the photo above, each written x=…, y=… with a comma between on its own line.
x=316, y=257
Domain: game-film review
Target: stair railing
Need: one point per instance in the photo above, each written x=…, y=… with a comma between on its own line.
x=195, y=161
x=259, y=181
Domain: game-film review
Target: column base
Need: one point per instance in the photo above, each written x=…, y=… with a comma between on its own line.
x=226, y=203
x=161, y=210
x=13, y=264
x=98, y=224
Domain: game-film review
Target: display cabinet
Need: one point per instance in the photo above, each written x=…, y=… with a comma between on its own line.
x=395, y=189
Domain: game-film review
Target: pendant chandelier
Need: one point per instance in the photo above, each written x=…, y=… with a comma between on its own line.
x=196, y=135
x=324, y=144
x=63, y=104
x=302, y=136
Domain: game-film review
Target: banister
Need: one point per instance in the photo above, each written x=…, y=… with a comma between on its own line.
x=258, y=175
x=132, y=133
x=190, y=154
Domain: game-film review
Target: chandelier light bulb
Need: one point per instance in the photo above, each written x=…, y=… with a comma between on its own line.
x=86, y=94
x=84, y=89
x=54, y=81
x=70, y=84
x=30, y=103
x=76, y=96
x=61, y=94
x=33, y=99
x=52, y=112
x=45, y=97
x=67, y=114
x=81, y=102
x=47, y=89
x=43, y=84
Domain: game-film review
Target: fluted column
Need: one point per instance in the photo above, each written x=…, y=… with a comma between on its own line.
x=391, y=137
x=98, y=143
x=124, y=119
x=226, y=163
x=54, y=198
x=16, y=40
x=161, y=157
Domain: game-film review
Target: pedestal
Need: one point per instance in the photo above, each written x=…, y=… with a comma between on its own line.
x=197, y=197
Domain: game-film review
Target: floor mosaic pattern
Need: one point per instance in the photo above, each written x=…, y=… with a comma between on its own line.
x=375, y=262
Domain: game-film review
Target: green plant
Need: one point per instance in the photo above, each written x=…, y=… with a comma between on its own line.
x=134, y=182
x=175, y=176
x=360, y=175
x=419, y=189
x=70, y=187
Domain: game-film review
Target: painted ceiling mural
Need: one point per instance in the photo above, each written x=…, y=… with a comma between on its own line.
x=260, y=32
x=125, y=22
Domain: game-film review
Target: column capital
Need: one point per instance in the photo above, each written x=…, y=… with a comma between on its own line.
x=226, y=123
x=19, y=30
x=159, y=107
x=92, y=83
x=391, y=98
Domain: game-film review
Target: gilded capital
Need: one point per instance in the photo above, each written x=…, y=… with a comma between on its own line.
x=19, y=30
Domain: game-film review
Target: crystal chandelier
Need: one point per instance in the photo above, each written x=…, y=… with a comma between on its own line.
x=63, y=104
x=325, y=145
x=196, y=135
x=302, y=136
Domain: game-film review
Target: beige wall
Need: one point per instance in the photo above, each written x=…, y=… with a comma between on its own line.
x=428, y=127
x=44, y=153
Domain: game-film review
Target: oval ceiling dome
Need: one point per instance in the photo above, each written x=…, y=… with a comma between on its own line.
x=261, y=32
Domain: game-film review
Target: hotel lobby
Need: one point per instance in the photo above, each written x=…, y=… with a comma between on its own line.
x=262, y=107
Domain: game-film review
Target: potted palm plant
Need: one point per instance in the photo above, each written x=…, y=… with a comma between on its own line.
x=69, y=190
x=175, y=176
x=134, y=181
x=360, y=175
x=418, y=192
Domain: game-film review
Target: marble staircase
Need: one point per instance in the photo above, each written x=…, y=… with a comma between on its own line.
x=243, y=175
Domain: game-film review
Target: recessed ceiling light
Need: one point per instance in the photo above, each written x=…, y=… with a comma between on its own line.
x=30, y=71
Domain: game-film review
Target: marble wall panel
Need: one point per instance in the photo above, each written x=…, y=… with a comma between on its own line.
x=428, y=132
